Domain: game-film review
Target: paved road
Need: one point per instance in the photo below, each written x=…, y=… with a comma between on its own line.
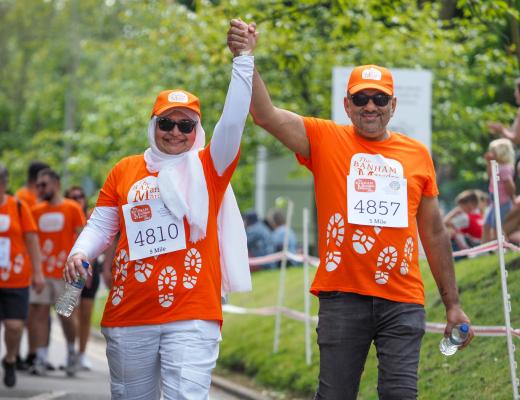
x=87, y=385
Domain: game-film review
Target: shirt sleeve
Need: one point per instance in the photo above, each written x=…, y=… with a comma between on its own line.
x=27, y=221
x=225, y=141
x=313, y=127
x=108, y=193
x=100, y=231
x=430, y=188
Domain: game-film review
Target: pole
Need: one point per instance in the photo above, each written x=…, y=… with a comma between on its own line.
x=281, y=285
x=306, y=295
x=503, y=274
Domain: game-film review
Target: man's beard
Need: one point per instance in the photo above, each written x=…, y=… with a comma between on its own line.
x=47, y=197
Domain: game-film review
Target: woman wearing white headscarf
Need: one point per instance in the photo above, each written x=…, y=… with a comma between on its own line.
x=175, y=211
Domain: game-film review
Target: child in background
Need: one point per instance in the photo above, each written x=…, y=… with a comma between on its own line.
x=502, y=151
x=464, y=222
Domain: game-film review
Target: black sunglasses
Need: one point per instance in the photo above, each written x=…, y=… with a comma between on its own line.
x=379, y=99
x=184, y=125
x=41, y=184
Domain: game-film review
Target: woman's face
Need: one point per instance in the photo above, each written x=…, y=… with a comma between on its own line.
x=174, y=141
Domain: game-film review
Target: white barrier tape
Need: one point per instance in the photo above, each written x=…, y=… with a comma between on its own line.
x=512, y=246
x=431, y=327
x=483, y=248
x=269, y=258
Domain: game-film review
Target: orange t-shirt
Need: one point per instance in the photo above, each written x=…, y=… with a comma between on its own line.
x=57, y=227
x=27, y=196
x=15, y=221
x=178, y=285
x=368, y=260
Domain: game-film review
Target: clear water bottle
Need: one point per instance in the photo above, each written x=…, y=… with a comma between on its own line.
x=69, y=299
x=449, y=345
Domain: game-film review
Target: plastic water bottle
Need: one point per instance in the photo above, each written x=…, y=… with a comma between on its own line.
x=449, y=345
x=69, y=299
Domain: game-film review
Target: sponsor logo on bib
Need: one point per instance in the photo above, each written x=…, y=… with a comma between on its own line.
x=365, y=185
x=141, y=213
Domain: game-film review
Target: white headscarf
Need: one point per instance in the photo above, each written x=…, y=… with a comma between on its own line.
x=181, y=180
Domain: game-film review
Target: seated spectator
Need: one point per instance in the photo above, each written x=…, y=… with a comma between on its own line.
x=277, y=221
x=259, y=242
x=464, y=223
x=483, y=201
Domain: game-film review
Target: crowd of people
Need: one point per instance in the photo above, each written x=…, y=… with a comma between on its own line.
x=174, y=240
x=38, y=226
x=473, y=220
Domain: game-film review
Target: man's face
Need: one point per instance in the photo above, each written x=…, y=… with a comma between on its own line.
x=47, y=187
x=370, y=120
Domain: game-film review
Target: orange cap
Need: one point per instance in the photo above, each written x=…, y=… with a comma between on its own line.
x=173, y=99
x=370, y=77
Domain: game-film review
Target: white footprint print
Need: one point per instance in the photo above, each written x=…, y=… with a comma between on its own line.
x=336, y=230
x=18, y=263
x=142, y=271
x=167, y=280
x=386, y=259
x=408, y=248
x=361, y=242
x=332, y=260
x=192, y=266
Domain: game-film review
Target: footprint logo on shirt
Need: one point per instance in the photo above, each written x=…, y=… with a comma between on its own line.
x=117, y=294
x=336, y=230
x=121, y=266
x=332, y=260
x=5, y=273
x=19, y=261
x=142, y=271
x=166, y=282
x=386, y=260
x=60, y=260
x=51, y=263
x=192, y=266
x=362, y=242
x=408, y=248
x=404, y=267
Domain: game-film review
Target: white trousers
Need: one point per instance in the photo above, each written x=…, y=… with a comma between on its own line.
x=174, y=358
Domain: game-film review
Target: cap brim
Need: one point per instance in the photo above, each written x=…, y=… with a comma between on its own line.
x=179, y=108
x=362, y=86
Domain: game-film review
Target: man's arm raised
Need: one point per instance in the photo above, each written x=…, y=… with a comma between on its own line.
x=286, y=126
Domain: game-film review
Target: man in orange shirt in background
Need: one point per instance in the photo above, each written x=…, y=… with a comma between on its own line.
x=374, y=189
x=28, y=193
x=20, y=265
x=59, y=222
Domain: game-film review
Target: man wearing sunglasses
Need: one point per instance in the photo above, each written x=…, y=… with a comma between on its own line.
x=374, y=189
x=512, y=133
x=182, y=242
x=59, y=221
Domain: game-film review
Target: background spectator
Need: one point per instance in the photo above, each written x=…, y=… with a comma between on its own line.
x=277, y=221
x=502, y=151
x=512, y=133
x=464, y=222
x=259, y=240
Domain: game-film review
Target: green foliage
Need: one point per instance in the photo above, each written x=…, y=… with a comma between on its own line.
x=99, y=65
x=479, y=372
